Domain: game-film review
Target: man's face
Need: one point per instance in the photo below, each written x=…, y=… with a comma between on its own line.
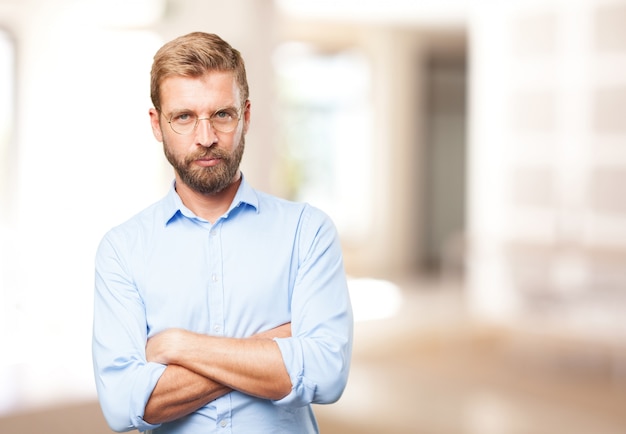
x=205, y=160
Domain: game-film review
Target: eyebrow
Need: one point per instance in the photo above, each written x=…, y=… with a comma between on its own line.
x=185, y=110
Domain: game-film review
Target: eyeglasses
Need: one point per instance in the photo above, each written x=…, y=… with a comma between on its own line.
x=223, y=120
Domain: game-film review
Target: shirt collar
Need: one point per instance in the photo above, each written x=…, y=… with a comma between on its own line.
x=173, y=205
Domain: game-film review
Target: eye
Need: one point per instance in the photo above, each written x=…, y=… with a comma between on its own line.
x=224, y=115
x=183, y=118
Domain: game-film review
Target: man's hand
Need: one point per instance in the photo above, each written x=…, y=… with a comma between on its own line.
x=162, y=347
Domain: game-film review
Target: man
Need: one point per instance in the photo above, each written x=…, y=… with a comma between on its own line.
x=219, y=308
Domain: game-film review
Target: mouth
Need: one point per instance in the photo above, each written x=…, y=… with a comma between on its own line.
x=207, y=161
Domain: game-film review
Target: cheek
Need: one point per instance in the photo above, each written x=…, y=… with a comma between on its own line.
x=238, y=137
x=177, y=146
x=170, y=148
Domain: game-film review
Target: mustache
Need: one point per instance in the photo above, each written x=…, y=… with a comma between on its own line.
x=207, y=153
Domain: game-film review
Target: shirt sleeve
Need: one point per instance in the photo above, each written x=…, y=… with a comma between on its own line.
x=318, y=354
x=124, y=379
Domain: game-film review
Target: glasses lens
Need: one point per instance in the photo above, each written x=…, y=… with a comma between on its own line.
x=184, y=123
x=225, y=120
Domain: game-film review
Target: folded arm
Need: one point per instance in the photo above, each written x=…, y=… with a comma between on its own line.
x=201, y=368
x=178, y=393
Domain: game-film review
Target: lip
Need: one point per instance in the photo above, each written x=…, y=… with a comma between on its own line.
x=207, y=162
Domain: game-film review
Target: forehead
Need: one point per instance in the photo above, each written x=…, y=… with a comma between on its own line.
x=213, y=90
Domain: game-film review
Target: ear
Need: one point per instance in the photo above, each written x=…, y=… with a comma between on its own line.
x=155, y=123
x=246, y=116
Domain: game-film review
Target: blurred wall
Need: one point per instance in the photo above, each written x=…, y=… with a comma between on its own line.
x=547, y=225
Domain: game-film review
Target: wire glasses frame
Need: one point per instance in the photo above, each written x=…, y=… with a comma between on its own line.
x=223, y=120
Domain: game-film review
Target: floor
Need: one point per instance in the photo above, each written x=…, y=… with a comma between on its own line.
x=430, y=370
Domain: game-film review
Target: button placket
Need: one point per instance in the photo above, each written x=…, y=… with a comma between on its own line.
x=216, y=290
x=216, y=313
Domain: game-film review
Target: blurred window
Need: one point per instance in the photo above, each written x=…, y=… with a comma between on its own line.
x=325, y=140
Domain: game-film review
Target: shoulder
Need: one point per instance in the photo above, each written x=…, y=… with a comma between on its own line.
x=137, y=226
x=310, y=225
x=304, y=211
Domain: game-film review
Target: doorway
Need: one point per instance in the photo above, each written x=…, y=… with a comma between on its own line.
x=445, y=158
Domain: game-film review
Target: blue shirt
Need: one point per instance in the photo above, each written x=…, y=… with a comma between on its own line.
x=265, y=262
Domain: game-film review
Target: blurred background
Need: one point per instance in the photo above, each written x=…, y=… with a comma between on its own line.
x=471, y=153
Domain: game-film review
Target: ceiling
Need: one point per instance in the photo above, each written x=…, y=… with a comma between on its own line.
x=412, y=12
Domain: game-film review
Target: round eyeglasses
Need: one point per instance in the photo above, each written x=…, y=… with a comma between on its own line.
x=223, y=120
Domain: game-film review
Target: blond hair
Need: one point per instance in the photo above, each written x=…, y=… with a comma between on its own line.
x=193, y=55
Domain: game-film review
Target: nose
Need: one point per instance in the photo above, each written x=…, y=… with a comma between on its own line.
x=205, y=134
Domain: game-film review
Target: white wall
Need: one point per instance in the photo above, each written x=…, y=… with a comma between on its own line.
x=547, y=225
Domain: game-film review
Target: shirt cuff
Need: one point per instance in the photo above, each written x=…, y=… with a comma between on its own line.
x=302, y=390
x=140, y=394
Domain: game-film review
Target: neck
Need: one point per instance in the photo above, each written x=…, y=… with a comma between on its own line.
x=208, y=206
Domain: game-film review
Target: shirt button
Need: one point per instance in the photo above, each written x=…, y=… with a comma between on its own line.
x=223, y=423
x=214, y=277
x=216, y=328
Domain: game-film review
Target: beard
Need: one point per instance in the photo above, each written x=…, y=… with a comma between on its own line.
x=207, y=180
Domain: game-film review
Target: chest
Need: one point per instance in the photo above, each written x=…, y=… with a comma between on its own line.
x=218, y=281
